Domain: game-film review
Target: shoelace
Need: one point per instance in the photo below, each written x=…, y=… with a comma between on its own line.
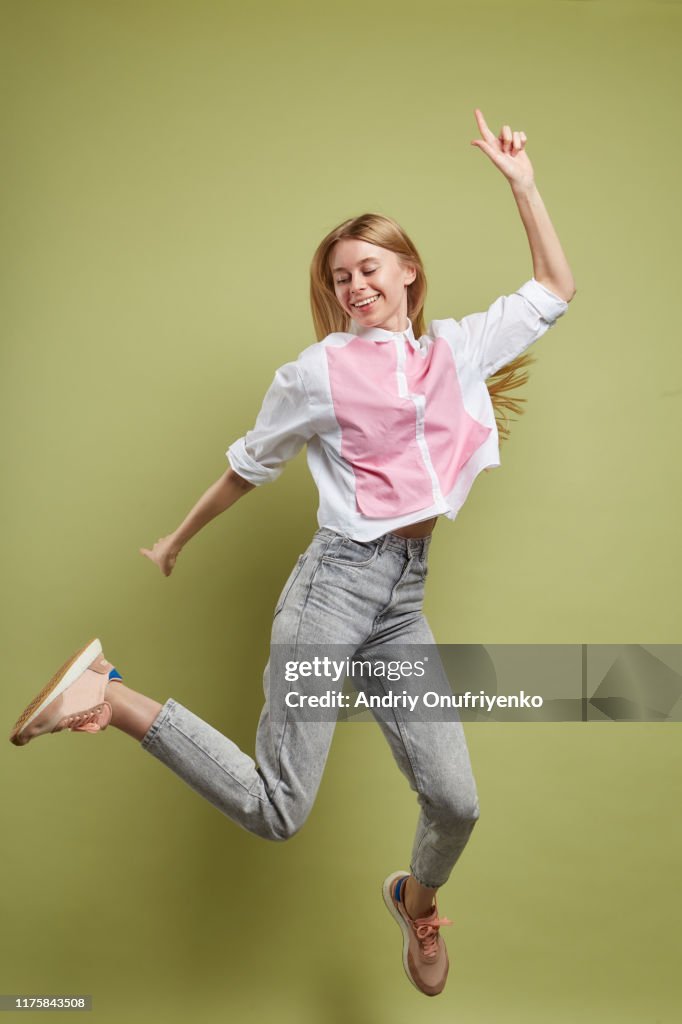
x=86, y=721
x=426, y=930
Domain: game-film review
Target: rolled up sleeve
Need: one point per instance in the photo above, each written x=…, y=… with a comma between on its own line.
x=282, y=427
x=494, y=338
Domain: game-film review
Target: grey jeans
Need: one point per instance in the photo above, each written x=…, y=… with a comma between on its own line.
x=360, y=597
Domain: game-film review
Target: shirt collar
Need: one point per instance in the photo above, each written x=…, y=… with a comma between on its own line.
x=379, y=334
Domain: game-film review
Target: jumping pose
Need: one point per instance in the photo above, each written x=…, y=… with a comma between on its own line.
x=398, y=419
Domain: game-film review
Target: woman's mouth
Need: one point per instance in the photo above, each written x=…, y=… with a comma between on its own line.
x=366, y=303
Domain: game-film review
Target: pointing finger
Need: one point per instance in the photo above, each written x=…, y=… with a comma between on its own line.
x=483, y=127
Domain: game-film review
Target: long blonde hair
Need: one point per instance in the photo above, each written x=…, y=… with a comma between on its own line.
x=329, y=317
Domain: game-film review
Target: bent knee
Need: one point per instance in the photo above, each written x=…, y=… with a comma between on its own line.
x=286, y=826
x=463, y=813
x=280, y=833
x=457, y=808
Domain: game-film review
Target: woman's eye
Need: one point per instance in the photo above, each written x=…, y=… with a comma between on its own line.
x=345, y=280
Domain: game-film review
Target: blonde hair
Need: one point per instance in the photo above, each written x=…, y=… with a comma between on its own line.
x=330, y=318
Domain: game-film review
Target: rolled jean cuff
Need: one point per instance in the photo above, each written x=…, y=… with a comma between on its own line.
x=165, y=712
x=427, y=884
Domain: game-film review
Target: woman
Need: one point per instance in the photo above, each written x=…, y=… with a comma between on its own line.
x=398, y=422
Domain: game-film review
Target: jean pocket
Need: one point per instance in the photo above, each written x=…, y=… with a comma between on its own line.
x=293, y=576
x=353, y=554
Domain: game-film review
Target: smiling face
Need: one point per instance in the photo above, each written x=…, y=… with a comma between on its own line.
x=362, y=271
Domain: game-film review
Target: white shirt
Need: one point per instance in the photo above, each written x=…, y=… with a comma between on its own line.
x=397, y=429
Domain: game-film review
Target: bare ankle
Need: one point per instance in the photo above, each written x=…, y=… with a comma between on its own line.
x=418, y=899
x=132, y=712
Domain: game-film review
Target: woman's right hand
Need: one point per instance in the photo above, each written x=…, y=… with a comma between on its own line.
x=164, y=554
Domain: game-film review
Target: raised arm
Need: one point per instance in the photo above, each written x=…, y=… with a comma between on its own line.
x=507, y=152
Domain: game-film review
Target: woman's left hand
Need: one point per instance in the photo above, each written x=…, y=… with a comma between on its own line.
x=507, y=152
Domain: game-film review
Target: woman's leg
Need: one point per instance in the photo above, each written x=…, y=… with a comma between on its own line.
x=272, y=795
x=432, y=753
x=429, y=746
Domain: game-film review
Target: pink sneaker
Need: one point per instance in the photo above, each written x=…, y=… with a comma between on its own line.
x=73, y=699
x=425, y=957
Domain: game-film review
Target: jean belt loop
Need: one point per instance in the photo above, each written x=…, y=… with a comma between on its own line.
x=384, y=542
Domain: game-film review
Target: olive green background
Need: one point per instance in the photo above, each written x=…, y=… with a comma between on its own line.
x=168, y=170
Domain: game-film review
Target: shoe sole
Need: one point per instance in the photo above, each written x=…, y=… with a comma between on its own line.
x=397, y=916
x=63, y=677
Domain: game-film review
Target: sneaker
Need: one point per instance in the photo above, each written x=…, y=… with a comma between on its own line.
x=73, y=699
x=425, y=957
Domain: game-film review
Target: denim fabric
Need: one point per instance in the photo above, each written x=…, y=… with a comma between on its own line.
x=365, y=596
